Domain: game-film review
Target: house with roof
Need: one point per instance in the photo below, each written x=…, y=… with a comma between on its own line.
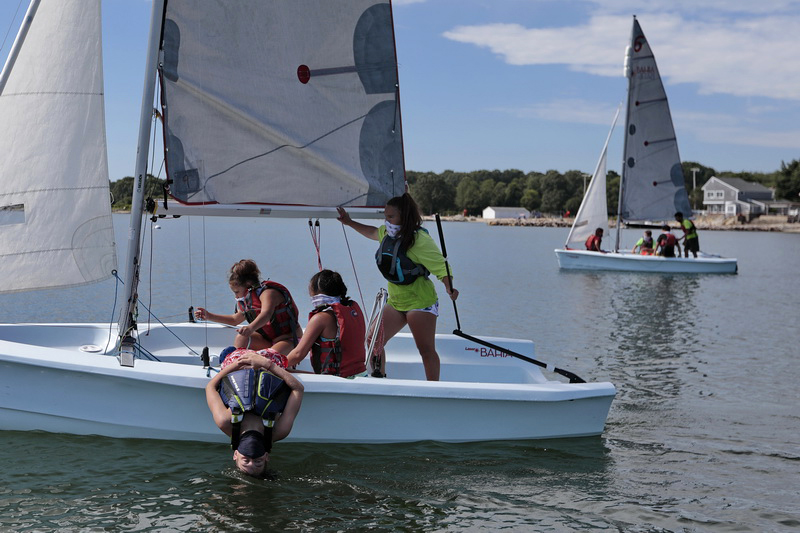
x=735, y=196
x=506, y=212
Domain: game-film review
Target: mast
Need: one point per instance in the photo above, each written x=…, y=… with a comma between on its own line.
x=628, y=75
x=17, y=46
x=127, y=321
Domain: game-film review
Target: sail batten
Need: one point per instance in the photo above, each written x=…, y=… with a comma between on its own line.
x=282, y=103
x=56, y=228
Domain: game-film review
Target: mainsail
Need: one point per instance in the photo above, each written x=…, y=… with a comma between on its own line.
x=282, y=103
x=593, y=212
x=653, y=186
x=55, y=209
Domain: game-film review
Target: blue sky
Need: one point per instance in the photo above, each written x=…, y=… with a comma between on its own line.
x=533, y=84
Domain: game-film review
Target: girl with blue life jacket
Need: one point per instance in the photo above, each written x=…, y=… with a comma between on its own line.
x=255, y=401
x=335, y=332
x=267, y=306
x=405, y=257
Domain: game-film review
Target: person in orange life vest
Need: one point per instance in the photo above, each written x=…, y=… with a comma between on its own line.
x=666, y=243
x=251, y=456
x=335, y=331
x=412, y=301
x=644, y=246
x=593, y=242
x=267, y=306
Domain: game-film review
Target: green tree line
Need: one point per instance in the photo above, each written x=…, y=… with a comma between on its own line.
x=554, y=193
x=551, y=192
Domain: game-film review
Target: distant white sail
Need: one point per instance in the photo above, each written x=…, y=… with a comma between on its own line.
x=55, y=212
x=593, y=212
x=276, y=102
x=652, y=177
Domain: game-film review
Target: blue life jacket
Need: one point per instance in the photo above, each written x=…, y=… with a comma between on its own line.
x=395, y=265
x=253, y=391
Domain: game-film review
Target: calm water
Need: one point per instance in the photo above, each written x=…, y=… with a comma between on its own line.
x=704, y=433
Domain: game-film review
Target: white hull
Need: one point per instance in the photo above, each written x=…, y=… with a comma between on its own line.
x=49, y=384
x=628, y=262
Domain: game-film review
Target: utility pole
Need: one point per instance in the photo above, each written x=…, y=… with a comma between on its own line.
x=695, y=170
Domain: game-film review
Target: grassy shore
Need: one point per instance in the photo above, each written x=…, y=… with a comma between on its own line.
x=704, y=222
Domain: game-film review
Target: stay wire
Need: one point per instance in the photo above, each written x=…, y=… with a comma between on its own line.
x=113, y=308
x=119, y=280
x=316, y=238
x=148, y=172
x=355, y=273
x=205, y=277
x=11, y=24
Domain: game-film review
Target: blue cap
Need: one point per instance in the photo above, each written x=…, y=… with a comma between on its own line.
x=224, y=353
x=252, y=444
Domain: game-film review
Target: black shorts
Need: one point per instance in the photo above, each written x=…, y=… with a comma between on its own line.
x=692, y=245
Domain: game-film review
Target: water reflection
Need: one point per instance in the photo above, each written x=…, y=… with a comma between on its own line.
x=424, y=486
x=655, y=315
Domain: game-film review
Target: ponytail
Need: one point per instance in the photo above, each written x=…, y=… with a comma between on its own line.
x=410, y=218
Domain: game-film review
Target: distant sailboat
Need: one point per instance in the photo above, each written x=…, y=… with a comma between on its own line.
x=652, y=185
x=271, y=108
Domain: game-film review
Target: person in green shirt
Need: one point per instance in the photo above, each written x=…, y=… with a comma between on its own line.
x=645, y=245
x=406, y=256
x=691, y=242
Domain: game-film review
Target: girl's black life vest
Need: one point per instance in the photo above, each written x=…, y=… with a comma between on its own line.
x=395, y=265
x=253, y=391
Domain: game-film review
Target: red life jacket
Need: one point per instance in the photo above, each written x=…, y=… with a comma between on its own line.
x=345, y=354
x=593, y=243
x=667, y=241
x=284, y=317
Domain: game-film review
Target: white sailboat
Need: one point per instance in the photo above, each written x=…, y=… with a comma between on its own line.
x=652, y=185
x=270, y=109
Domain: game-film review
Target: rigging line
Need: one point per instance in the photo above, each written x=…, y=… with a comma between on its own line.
x=113, y=308
x=150, y=273
x=189, y=258
x=11, y=24
x=205, y=276
x=316, y=239
x=147, y=353
x=170, y=330
x=150, y=279
x=350, y=253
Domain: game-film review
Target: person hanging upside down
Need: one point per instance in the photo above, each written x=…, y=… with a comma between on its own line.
x=335, y=331
x=267, y=306
x=405, y=257
x=234, y=405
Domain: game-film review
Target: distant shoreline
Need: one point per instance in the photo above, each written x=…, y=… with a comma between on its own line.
x=715, y=223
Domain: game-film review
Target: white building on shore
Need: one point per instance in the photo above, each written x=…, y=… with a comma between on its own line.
x=506, y=212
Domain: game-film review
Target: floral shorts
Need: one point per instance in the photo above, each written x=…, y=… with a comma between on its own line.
x=269, y=353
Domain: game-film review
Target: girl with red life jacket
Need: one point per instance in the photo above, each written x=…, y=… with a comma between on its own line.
x=335, y=332
x=406, y=264
x=666, y=243
x=267, y=306
x=594, y=241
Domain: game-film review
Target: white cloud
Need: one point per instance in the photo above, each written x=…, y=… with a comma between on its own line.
x=744, y=130
x=747, y=56
x=567, y=110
